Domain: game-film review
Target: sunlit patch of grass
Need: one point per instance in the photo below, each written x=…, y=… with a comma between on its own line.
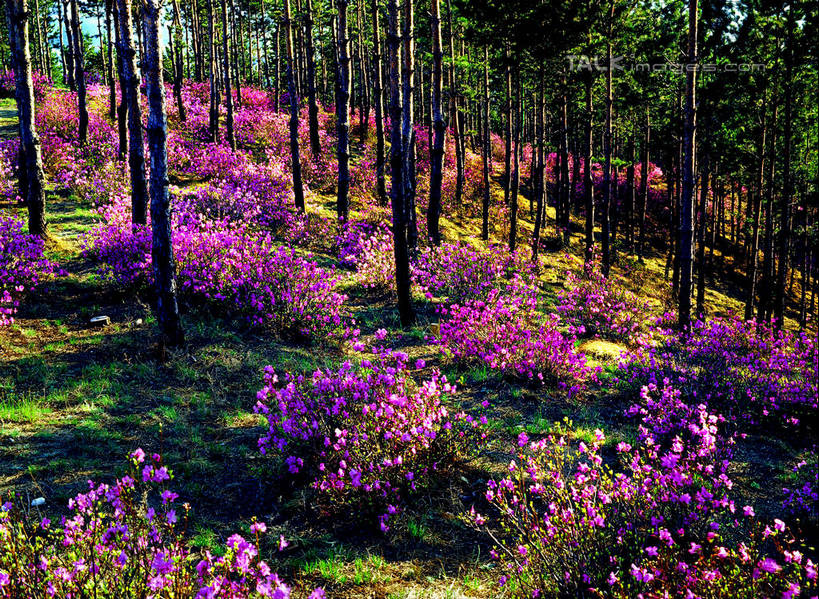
x=22, y=409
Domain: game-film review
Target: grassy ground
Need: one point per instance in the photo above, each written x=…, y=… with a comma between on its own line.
x=74, y=399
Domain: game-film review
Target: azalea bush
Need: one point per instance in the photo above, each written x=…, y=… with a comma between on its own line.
x=22, y=265
x=458, y=271
x=126, y=539
x=506, y=332
x=565, y=523
x=246, y=273
x=366, y=436
x=598, y=306
x=753, y=373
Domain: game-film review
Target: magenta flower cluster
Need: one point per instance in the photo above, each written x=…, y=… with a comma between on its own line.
x=366, y=435
x=507, y=332
x=126, y=539
x=22, y=265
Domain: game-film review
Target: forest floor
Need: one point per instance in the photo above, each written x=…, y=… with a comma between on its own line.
x=74, y=399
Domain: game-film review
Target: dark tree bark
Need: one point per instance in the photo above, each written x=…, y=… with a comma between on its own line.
x=31, y=177
x=162, y=256
x=767, y=283
x=644, y=189
x=70, y=64
x=486, y=147
x=378, y=84
x=607, y=149
x=136, y=150
x=539, y=187
x=122, y=107
x=515, y=187
x=628, y=237
x=455, y=116
x=588, y=182
x=399, y=222
x=79, y=72
x=702, y=227
x=177, y=62
x=312, y=104
x=298, y=188
x=563, y=197
x=112, y=82
x=343, y=113
x=787, y=188
x=215, y=100
x=753, y=260
x=686, y=233
x=507, y=173
x=436, y=171
x=408, y=123
x=226, y=75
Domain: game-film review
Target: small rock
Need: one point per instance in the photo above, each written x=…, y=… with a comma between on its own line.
x=435, y=329
x=101, y=321
x=37, y=502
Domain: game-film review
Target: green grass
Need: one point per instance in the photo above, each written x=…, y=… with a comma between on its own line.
x=21, y=410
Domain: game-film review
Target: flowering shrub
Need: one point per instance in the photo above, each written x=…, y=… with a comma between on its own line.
x=802, y=492
x=459, y=272
x=365, y=435
x=367, y=247
x=508, y=333
x=598, y=306
x=753, y=373
x=22, y=265
x=269, y=284
x=126, y=540
x=571, y=524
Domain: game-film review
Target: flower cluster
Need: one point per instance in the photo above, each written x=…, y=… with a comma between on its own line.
x=507, y=332
x=458, y=271
x=595, y=305
x=22, y=265
x=657, y=526
x=366, y=436
x=126, y=539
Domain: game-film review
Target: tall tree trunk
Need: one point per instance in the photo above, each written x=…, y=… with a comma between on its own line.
x=455, y=116
x=702, y=227
x=312, y=108
x=607, y=149
x=343, y=113
x=266, y=56
x=538, y=187
x=298, y=188
x=767, y=283
x=136, y=150
x=112, y=82
x=162, y=256
x=628, y=237
x=177, y=61
x=213, y=113
x=686, y=235
x=399, y=213
x=436, y=170
x=563, y=198
x=381, y=188
x=226, y=59
x=408, y=124
x=364, y=96
x=122, y=108
x=644, y=172
x=31, y=164
x=787, y=188
x=513, y=192
x=588, y=182
x=753, y=260
x=507, y=173
x=487, y=148
x=70, y=65
x=79, y=72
